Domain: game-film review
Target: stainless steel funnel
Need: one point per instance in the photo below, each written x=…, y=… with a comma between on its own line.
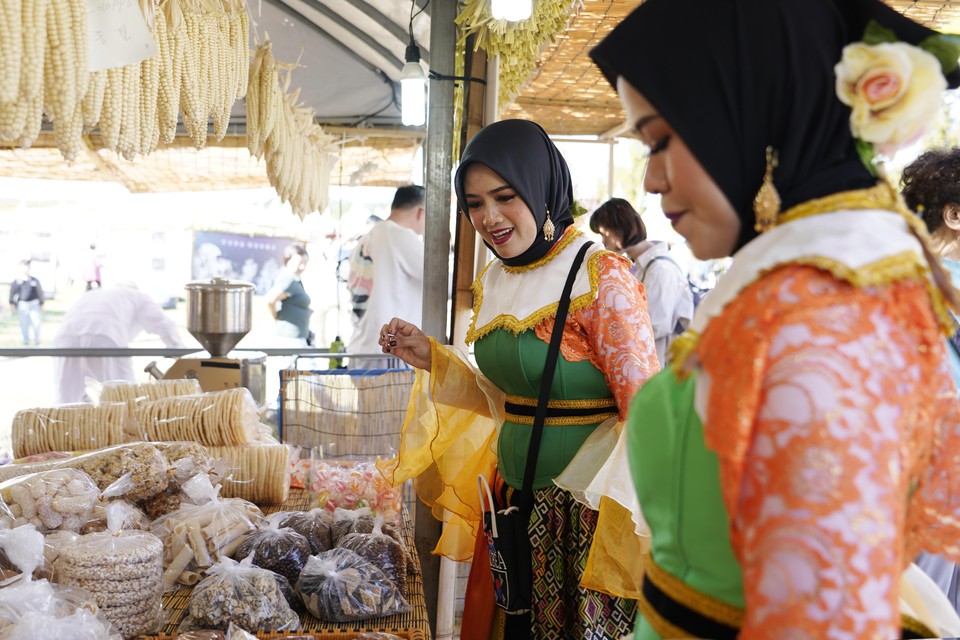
x=219, y=313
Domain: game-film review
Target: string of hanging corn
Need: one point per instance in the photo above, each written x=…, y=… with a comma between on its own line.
x=517, y=43
x=201, y=69
x=299, y=154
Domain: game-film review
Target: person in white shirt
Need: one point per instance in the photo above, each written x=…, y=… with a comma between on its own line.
x=386, y=276
x=669, y=297
x=106, y=318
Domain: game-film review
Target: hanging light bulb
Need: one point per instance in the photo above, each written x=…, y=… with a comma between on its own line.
x=413, y=89
x=512, y=10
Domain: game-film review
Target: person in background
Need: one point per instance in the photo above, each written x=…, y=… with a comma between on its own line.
x=386, y=275
x=92, y=276
x=931, y=187
x=26, y=298
x=515, y=188
x=803, y=445
x=669, y=298
x=287, y=300
x=106, y=319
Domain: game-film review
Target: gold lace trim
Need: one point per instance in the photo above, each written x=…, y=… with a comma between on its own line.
x=586, y=403
x=901, y=267
x=561, y=421
x=882, y=196
x=555, y=250
x=518, y=326
x=680, y=591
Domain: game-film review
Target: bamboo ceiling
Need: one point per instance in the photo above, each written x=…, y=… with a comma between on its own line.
x=567, y=95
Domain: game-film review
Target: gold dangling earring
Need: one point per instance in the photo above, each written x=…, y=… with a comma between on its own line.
x=548, y=228
x=766, y=204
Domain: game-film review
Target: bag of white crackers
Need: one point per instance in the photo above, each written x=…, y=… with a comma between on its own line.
x=121, y=569
x=242, y=594
x=196, y=535
x=32, y=609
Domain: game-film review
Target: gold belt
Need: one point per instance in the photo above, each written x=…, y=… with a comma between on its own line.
x=560, y=413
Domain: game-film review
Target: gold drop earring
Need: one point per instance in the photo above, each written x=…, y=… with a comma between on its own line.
x=766, y=204
x=548, y=228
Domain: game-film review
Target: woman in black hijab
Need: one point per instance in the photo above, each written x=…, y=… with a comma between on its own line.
x=800, y=450
x=515, y=188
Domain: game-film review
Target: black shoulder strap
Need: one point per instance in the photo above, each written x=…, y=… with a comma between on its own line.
x=549, y=369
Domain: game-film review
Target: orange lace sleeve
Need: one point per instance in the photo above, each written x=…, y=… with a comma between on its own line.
x=614, y=332
x=822, y=413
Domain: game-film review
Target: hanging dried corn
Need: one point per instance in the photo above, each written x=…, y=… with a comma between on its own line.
x=299, y=155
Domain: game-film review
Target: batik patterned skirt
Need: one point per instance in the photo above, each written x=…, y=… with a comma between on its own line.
x=561, y=531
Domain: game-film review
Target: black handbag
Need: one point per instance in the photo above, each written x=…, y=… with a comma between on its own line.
x=505, y=528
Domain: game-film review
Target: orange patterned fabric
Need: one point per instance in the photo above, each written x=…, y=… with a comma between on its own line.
x=614, y=332
x=834, y=416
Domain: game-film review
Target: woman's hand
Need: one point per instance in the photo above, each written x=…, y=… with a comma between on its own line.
x=403, y=340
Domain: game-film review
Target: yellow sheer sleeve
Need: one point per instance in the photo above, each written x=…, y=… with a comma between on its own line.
x=448, y=439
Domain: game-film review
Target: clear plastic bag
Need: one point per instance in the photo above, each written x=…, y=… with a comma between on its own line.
x=68, y=427
x=217, y=418
x=314, y=525
x=32, y=609
x=196, y=535
x=184, y=461
x=381, y=551
x=281, y=550
x=347, y=521
x=239, y=593
x=353, y=486
x=377, y=635
x=340, y=586
x=60, y=499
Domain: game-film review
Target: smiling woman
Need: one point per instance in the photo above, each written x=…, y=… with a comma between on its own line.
x=515, y=186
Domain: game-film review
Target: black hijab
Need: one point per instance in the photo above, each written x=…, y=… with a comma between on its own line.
x=521, y=153
x=734, y=76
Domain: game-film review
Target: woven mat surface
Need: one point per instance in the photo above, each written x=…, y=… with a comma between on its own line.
x=411, y=626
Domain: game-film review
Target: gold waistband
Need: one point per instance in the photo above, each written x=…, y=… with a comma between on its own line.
x=587, y=403
x=564, y=421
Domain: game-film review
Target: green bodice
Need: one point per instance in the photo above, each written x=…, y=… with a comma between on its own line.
x=678, y=482
x=515, y=364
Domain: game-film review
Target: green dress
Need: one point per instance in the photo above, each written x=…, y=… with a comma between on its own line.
x=561, y=529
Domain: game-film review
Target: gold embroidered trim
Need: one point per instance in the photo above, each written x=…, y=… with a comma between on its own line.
x=681, y=592
x=562, y=421
x=911, y=624
x=659, y=624
x=902, y=267
x=877, y=197
x=564, y=242
x=587, y=403
x=516, y=326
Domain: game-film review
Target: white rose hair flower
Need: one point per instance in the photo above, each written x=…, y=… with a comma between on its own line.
x=894, y=89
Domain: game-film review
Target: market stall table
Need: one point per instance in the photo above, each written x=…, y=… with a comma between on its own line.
x=409, y=626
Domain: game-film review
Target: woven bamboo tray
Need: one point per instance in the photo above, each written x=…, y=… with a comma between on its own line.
x=410, y=634
x=413, y=625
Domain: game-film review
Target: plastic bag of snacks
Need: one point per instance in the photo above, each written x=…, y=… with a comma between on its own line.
x=216, y=418
x=314, y=525
x=61, y=499
x=195, y=535
x=283, y=551
x=121, y=569
x=354, y=486
x=377, y=635
x=184, y=461
x=340, y=586
x=347, y=521
x=239, y=593
x=68, y=427
x=381, y=551
x=32, y=609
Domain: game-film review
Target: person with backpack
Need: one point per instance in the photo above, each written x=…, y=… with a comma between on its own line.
x=670, y=298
